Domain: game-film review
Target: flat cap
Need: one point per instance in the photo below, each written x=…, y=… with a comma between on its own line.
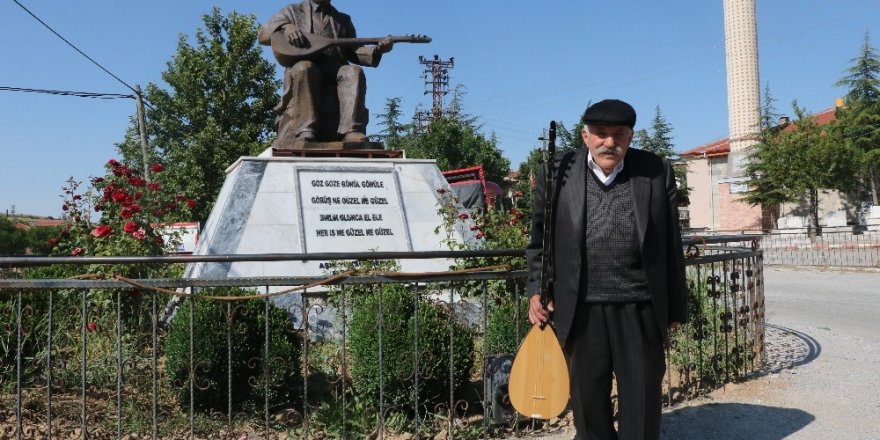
x=610, y=112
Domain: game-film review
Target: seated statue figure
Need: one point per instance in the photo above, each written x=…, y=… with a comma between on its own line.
x=323, y=96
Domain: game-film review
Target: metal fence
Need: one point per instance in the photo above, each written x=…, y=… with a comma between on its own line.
x=831, y=249
x=372, y=354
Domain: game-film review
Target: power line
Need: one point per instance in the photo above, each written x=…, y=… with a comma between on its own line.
x=73, y=46
x=67, y=93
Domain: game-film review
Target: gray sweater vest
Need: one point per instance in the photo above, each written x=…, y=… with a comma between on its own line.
x=614, y=270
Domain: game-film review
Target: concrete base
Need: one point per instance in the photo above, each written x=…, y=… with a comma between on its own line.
x=315, y=205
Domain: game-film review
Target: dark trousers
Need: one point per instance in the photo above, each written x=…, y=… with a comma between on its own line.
x=622, y=338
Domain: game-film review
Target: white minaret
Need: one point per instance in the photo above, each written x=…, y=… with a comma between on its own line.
x=743, y=83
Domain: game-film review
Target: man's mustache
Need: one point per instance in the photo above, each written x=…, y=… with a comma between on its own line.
x=610, y=150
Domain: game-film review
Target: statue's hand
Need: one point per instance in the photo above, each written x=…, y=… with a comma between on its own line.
x=294, y=36
x=385, y=45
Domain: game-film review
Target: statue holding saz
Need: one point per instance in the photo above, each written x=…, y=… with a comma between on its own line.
x=324, y=84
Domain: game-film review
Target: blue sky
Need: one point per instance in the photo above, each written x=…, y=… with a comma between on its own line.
x=523, y=63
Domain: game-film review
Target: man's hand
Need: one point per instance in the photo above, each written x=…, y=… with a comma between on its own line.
x=385, y=45
x=294, y=36
x=537, y=313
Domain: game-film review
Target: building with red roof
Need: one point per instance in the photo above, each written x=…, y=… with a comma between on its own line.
x=716, y=196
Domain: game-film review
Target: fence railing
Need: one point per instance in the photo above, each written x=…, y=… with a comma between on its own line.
x=831, y=249
x=354, y=355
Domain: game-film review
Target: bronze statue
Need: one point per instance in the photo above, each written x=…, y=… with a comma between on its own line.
x=323, y=97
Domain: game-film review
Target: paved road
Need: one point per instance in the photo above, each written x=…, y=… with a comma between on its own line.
x=823, y=378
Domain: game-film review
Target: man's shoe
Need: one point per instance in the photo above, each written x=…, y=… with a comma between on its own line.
x=354, y=137
x=307, y=136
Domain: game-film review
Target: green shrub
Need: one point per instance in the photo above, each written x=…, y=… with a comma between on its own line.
x=708, y=349
x=398, y=334
x=210, y=363
x=501, y=332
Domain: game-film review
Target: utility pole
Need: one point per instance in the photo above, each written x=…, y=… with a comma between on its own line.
x=142, y=124
x=438, y=72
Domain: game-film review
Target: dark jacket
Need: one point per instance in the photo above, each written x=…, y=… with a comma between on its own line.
x=656, y=212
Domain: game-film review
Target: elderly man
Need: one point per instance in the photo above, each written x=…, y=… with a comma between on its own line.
x=619, y=281
x=323, y=98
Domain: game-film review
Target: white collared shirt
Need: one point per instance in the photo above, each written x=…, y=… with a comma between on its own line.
x=597, y=170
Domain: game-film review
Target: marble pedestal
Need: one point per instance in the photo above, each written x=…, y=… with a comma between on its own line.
x=315, y=205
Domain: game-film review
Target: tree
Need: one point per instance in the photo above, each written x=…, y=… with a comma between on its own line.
x=38, y=239
x=769, y=115
x=13, y=241
x=863, y=80
x=794, y=164
x=219, y=106
x=394, y=131
x=658, y=140
x=569, y=140
x=455, y=144
x=857, y=122
x=453, y=140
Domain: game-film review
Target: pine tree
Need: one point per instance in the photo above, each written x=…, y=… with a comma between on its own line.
x=858, y=122
x=863, y=80
x=769, y=115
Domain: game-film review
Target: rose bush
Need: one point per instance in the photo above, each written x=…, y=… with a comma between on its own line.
x=132, y=213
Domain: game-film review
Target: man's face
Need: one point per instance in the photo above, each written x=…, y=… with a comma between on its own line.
x=607, y=144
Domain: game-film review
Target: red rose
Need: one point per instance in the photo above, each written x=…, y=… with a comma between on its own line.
x=119, y=195
x=130, y=227
x=157, y=167
x=136, y=181
x=125, y=213
x=138, y=195
x=102, y=231
x=99, y=207
x=113, y=163
x=128, y=201
x=135, y=209
x=479, y=235
x=77, y=197
x=140, y=234
x=153, y=186
x=191, y=203
x=474, y=227
x=513, y=222
x=463, y=215
x=77, y=251
x=92, y=326
x=52, y=242
x=98, y=180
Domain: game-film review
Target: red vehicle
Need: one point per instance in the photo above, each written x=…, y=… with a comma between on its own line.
x=472, y=188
